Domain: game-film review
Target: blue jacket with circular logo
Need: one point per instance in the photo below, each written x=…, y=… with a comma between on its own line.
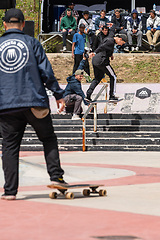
x=25, y=72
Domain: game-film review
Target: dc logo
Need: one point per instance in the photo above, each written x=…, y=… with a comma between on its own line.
x=14, y=55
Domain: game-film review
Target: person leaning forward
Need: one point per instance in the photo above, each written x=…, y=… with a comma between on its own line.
x=101, y=65
x=74, y=94
x=24, y=73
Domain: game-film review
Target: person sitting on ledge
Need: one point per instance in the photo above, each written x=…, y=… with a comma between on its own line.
x=153, y=27
x=68, y=26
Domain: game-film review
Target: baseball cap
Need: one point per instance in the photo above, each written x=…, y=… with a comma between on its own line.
x=81, y=25
x=123, y=36
x=13, y=13
x=79, y=72
x=71, y=3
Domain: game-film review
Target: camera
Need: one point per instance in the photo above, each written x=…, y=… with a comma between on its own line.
x=86, y=51
x=151, y=25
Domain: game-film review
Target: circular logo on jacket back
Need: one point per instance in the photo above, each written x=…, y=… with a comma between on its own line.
x=14, y=55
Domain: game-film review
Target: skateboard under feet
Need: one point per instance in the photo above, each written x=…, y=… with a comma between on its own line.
x=90, y=189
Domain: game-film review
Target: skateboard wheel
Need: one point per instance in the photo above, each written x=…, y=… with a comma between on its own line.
x=86, y=192
x=102, y=192
x=69, y=195
x=53, y=195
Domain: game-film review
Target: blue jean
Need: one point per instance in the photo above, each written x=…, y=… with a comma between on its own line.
x=12, y=130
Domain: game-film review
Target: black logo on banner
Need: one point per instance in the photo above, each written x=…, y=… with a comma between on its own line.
x=143, y=93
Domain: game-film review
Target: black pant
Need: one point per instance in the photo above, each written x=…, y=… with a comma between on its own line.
x=99, y=72
x=77, y=60
x=65, y=36
x=12, y=127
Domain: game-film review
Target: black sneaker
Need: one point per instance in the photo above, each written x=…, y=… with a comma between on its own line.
x=59, y=180
x=88, y=99
x=113, y=98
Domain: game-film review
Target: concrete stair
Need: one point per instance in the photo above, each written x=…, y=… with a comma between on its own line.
x=115, y=132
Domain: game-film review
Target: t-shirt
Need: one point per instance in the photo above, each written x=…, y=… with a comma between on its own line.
x=79, y=43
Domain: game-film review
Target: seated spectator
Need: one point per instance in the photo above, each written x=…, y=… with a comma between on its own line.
x=68, y=26
x=88, y=26
x=74, y=94
x=78, y=49
x=101, y=21
x=119, y=22
x=74, y=13
x=153, y=27
x=134, y=27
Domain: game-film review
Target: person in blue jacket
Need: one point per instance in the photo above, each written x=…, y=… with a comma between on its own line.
x=24, y=73
x=74, y=94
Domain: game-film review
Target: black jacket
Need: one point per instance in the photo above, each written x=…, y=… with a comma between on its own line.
x=99, y=38
x=118, y=23
x=104, y=52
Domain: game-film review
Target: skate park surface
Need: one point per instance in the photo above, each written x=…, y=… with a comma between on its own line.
x=131, y=210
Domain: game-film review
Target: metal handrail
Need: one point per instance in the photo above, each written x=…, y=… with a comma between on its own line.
x=105, y=85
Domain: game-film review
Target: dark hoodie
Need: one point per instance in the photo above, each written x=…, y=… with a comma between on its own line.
x=74, y=86
x=119, y=22
x=131, y=23
x=100, y=37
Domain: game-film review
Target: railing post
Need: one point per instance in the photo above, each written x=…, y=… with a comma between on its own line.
x=84, y=135
x=105, y=109
x=95, y=117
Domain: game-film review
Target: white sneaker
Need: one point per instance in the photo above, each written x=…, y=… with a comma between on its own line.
x=132, y=49
x=76, y=117
x=64, y=48
x=137, y=48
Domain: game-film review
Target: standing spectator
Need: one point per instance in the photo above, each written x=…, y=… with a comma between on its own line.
x=68, y=26
x=25, y=71
x=134, y=27
x=101, y=21
x=74, y=94
x=153, y=27
x=78, y=49
x=119, y=22
x=88, y=26
x=74, y=12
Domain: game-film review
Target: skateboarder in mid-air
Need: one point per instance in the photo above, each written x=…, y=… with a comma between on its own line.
x=101, y=65
x=25, y=71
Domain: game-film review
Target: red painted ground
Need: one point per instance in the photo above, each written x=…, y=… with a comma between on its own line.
x=33, y=220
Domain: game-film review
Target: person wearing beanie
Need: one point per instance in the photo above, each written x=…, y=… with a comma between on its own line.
x=134, y=28
x=153, y=29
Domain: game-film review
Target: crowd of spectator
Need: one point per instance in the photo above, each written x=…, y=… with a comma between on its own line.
x=130, y=28
x=101, y=38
